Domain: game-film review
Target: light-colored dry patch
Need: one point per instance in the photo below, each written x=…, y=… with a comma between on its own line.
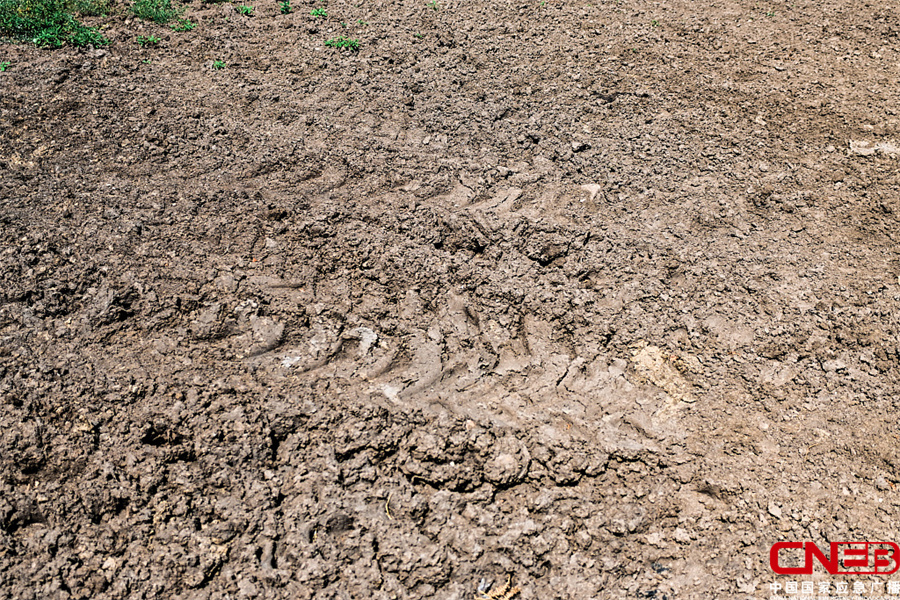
x=651, y=364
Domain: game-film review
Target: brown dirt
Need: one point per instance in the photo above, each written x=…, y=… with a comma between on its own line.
x=603, y=296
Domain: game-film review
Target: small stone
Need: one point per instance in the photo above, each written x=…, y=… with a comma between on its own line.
x=834, y=365
x=774, y=510
x=681, y=536
x=578, y=146
x=592, y=189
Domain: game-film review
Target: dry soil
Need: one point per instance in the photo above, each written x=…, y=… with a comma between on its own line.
x=599, y=295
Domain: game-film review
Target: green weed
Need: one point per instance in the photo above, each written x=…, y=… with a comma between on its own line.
x=319, y=12
x=47, y=23
x=433, y=5
x=150, y=40
x=245, y=10
x=361, y=22
x=183, y=25
x=4, y=66
x=654, y=23
x=218, y=64
x=342, y=43
x=285, y=7
x=158, y=11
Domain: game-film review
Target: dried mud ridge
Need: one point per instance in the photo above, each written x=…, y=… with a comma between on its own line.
x=551, y=292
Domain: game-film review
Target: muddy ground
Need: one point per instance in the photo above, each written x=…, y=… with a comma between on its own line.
x=603, y=296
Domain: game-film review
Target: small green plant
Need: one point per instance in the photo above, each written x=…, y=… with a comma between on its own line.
x=285, y=7
x=245, y=10
x=146, y=61
x=342, y=43
x=150, y=40
x=771, y=13
x=419, y=35
x=434, y=5
x=47, y=23
x=218, y=64
x=654, y=23
x=183, y=25
x=361, y=22
x=4, y=66
x=319, y=12
x=158, y=11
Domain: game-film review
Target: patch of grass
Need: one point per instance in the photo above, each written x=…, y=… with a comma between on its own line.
x=433, y=5
x=419, y=35
x=218, y=64
x=149, y=40
x=183, y=25
x=342, y=43
x=361, y=22
x=48, y=23
x=319, y=12
x=93, y=8
x=654, y=23
x=158, y=11
x=285, y=7
x=245, y=10
x=4, y=66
